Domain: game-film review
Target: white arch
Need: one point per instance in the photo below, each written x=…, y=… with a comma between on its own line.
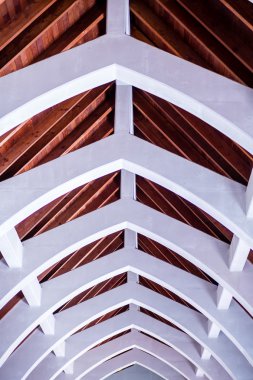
x=81, y=342
x=204, y=95
x=135, y=372
x=132, y=340
x=131, y=357
x=221, y=197
x=26, y=357
x=206, y=252
x=222, y=103
x=194, y=290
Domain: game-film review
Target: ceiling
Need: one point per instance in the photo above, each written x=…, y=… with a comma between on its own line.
x=215, y=34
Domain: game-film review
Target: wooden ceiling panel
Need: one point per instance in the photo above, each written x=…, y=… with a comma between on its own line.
x=216, y=34
x=176, y=130
x=105, y=317
x=186, y=29
x=156, y=316
x=176, y=207
x=165, y=292
x=54, y=26
x=58, y=130
x=158, y=250
x=11, y=10
x=85, y=255
x=240, y=12
x=96, y=290
x=78, y=202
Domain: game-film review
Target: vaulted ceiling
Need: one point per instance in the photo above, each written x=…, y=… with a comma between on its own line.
x=214, y=34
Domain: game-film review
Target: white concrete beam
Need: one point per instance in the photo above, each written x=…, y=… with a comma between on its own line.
x=60, y=349
x=110, y=57
x=71, y=320
x=69, y=369
x=11, y=248
x=213, y=329
x=178, y=281
x=118, y=17
x=202, y=250
x=238, y=254
x=32, y=292
x=48, y=325
x=127, y=185
x=135, y=372
x=97, y=356
x=131, y=357
x=205, y=353
x=224, y=298
x=81, y=342
x=130, y=238
x=249, y=197
x=123, y=123
x=199, y=373
x=116, y=153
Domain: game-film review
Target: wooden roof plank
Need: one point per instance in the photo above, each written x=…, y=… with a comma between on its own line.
x=163, y=34
x=176, y=207
x=225, y=156
x=85, y=201
x=157, y=250
x=33, y=32
x=170, y=133
x=72, y=36
x=43, y=132
x=30, y=13
x=212, y=50
x=87, y=254
x=242, y=9
x=78, y=137
x=221, y=30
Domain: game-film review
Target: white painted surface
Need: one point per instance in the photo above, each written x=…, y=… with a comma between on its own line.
x=27, y=192
x=26, y=357
x=204, y=251
x=132, y=340
x=81, y=342
x=224, y=104
x=135, y=372
x=133, y=356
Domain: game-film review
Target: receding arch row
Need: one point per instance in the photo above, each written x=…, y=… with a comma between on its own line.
x=131, y=357
x=220, y=197
x=81, y=342
x=133, y=340
x=224, y=104
x=135, y=371
x=25, y=358
x=194, y=290
x=204, y=251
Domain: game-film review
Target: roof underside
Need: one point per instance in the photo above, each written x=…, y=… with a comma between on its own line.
x=214, y=34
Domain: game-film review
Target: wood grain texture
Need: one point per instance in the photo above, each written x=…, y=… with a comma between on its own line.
x=216, y=34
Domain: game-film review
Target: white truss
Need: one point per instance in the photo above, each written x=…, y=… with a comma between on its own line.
x=208, y=253
x=94, y=358
x=135, y=372
x=221, y=328
x=224, y=104
x=131, y=357
x=38, y=345
x=81, y=342
x=194, y=290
